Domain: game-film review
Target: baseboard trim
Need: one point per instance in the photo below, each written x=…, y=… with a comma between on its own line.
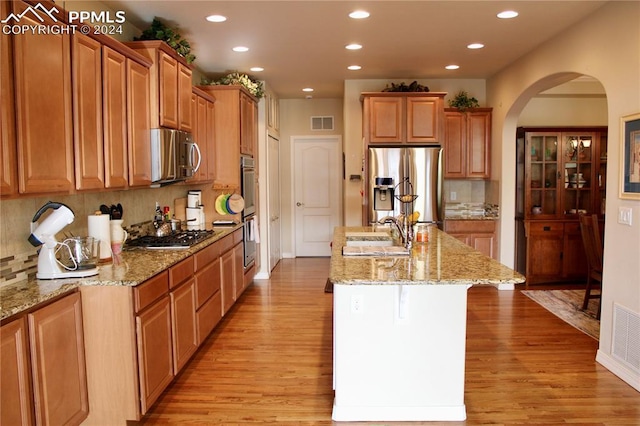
x=618, y=369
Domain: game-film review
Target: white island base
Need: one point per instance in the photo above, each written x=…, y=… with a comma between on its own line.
x=399, y=352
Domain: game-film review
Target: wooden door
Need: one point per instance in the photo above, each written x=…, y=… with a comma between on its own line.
x=15, y=380
x=273, y=205
x=227, y=278
x=8, y=165
x=478, y=144
x=43, y=107
x=114, y=107
x=424, y=119
x=455, y=153
x=574, y=258
x=155, y=360
x=485, y=244
x=186, y=119
x=58, y=362
x=248, y=125
x=545, y=242
x=183, y=321
x=138, y=125
x=384, y=119
x=211, y=142
x=317, y=193
x=168, y=90
x=201, y=136
x=88, y=142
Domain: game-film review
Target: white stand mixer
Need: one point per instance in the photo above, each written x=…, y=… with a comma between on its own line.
x=45, y=234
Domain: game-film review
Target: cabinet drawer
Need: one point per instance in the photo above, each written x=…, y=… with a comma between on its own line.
x=237, y=236
x=207, y=255
x=572, y=228
x=150, y=291
x=470, y=226
x=181, y=272
x=545, y=228
x=226, y=243
x=207, y=282
x=208, y=316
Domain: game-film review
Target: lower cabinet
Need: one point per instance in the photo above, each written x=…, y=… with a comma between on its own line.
x=554, y=252
x=479, y=234
x=50, y=367
x=139, y=338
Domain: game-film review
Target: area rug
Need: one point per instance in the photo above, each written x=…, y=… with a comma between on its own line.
x=567, y=305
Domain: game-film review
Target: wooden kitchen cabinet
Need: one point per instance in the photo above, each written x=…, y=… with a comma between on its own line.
x=238, y=267
x=467, y=143
x=88, y=143
x=203, y=134
x=208, y=290
x=170, y=80
x=42, y=75
x=15, y=378
x=479, y=234
x=227, y=277
x=58, y=362
x=234, y=131
x=545, y=241
x=114, y=114
x=183, y=313
x=393, y=117
x=139, y=135
x=8, y=165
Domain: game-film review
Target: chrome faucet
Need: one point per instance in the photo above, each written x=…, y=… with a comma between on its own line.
x=406, y=232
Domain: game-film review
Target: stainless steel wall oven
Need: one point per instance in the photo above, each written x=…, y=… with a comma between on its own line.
x=248, y=187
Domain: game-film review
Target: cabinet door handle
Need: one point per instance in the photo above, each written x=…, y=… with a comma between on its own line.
x=546, y=228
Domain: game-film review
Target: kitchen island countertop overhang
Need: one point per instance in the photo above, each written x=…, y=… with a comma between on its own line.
x=399, y=328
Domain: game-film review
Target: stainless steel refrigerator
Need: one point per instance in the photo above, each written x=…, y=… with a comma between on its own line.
x=388, y=170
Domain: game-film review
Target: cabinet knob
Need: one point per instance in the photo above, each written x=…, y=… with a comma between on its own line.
x=299, y=204
x=546, y=228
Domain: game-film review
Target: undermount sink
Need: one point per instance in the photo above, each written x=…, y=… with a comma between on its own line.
x=368, y=239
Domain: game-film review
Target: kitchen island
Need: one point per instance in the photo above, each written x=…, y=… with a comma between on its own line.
x=399, y=328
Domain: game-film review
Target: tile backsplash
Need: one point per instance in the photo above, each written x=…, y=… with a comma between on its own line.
x=18, y=257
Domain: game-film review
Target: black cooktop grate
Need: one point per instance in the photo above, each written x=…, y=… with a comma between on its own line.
x=180, y=239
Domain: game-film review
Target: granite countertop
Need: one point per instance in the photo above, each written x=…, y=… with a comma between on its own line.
x=442, y=260
x=136, y=266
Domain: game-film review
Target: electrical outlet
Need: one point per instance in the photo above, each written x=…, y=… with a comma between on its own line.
x=357, y=302
x=625, y=215
x=454, y=196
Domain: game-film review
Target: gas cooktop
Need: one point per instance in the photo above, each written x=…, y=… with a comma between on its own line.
x=179, y=240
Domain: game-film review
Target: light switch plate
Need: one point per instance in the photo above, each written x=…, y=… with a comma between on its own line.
x=625, y=215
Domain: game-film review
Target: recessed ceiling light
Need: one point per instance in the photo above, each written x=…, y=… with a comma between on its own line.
x=307, y=89
x=354, y=67
x=359, y=14
x=452, y=67
x=256, y=69
x=475, y=46
x=507, y=14
x=353, y=46
x=216, y=18
x=240, y=49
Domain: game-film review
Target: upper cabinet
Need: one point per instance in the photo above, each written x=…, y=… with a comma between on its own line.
x=235, y=130
x=171, y=76
x=467, y=143
x=400, y=117
x=203, y=133
x=44, y=125
x=8, y=165
x=564, y=171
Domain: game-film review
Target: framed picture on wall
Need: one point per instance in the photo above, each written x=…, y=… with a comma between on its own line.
x=630, y=158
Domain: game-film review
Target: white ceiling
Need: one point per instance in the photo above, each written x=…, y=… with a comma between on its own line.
x=301, y=43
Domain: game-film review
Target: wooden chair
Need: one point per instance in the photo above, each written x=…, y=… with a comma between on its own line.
x=593, y=249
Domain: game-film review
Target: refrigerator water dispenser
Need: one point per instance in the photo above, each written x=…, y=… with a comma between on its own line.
x=383, y=193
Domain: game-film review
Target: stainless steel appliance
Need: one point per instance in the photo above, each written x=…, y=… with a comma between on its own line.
x=174, y=156
x=249, y=242
x=387, y=174
x=180, y=240
x=248, y=185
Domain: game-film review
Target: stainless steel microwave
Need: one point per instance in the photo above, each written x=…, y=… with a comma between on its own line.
x=174, y=156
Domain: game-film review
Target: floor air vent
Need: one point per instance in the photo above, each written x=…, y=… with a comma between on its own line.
x=322, y=123
x=626, y=337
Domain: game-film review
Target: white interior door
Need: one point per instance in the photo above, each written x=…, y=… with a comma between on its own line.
x=317, y=193
x=273, y=158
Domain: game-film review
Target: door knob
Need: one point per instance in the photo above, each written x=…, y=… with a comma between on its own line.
x=299, y=204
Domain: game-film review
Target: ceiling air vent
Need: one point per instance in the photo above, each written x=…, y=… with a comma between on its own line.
x=322, y=123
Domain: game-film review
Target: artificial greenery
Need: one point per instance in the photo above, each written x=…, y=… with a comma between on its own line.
x=255, y=87
x=159, y=31
x=413, y=87
x=463, y=101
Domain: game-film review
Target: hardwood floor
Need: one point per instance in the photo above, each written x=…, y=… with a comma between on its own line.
x=270, y=361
